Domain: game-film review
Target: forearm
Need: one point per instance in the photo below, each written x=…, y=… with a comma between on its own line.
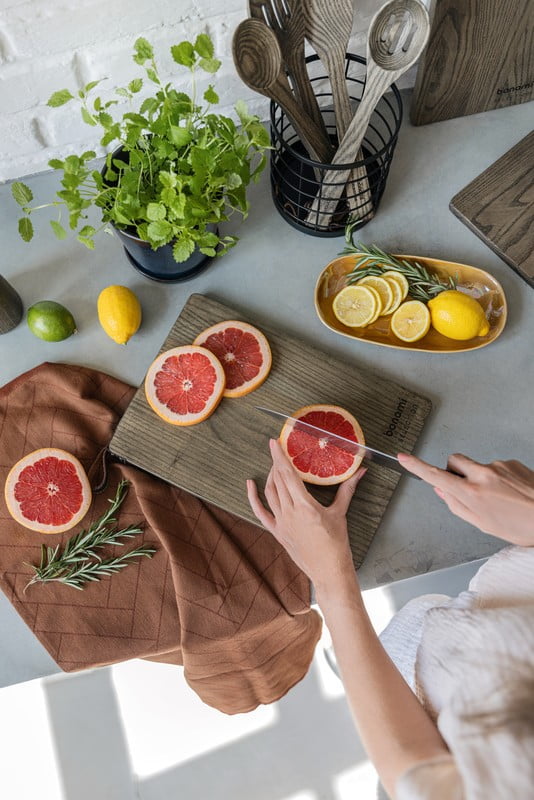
x=394, y=727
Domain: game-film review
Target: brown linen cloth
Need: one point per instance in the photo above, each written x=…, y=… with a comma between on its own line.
x=220, y=596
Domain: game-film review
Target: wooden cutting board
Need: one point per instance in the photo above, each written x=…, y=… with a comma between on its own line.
x=480, y=55
x=498, y=206
x=213, y=459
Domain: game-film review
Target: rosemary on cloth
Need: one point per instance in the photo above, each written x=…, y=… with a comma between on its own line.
x=373, y=261
x=79, y=562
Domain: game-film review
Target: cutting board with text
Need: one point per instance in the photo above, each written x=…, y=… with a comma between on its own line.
x=213, y=459
x=480, y=55
x=498, y=206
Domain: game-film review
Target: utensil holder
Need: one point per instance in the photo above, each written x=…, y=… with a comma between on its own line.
x=296, y=179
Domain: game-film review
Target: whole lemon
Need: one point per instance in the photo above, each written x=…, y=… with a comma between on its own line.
x=119, y=313
x=50, y=321
x=457, y=315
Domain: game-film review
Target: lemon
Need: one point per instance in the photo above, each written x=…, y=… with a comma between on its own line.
x=411, y=321
x=457, y=315
x=119, y=313
x=50, y=321
x=355, y=306
x=397, y=297
x=400, y=279
x=378, y=311
x=382, y=287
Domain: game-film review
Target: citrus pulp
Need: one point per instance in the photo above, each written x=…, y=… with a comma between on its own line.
x=48, y=491
x=243, y=351
x=184, y=385
x=316, y=459
x=411, y=321
x=356, y=306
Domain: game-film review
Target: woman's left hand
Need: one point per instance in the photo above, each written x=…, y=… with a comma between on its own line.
x=315, y=536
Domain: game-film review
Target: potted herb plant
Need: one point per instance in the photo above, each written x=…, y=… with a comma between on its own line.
x=178, y=169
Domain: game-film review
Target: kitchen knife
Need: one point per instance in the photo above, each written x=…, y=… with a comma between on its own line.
x=349, y=446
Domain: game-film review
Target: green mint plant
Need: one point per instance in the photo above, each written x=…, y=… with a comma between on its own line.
x=178, y=168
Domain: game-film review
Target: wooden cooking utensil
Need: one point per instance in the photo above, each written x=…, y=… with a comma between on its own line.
x=328, y=25
x=258, y=60
x=284, y=17
x=396, y=38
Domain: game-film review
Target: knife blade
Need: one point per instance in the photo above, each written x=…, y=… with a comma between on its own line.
x=349, y=446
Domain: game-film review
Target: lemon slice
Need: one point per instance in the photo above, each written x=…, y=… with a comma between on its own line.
x=399, y=279
x=382, y=287
x=355, y=306
x=411, y=321
x=397, y=297
x=379, y=310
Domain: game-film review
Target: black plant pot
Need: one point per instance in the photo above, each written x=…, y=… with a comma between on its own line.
x=159, y=264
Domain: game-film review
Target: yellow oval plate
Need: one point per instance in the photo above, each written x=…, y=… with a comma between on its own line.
x=473, y=281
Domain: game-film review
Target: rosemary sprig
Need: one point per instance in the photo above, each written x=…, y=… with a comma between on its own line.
x=373, y=261
x=73, y=566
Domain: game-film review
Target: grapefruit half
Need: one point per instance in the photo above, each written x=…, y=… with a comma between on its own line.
x=185, y=385
x=318, y=460
x=48, y=491
x=243, y=351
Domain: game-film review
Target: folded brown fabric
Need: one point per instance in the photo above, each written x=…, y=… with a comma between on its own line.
x=220, y=596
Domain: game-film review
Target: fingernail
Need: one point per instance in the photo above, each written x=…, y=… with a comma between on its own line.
x=271, y=442
x=438, y=492
x=402, y=456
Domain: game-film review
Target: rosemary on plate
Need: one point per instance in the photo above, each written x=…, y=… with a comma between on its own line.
x=74, y=566
x=373, y=261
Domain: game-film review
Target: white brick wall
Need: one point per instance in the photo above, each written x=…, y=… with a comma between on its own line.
x=46, y=45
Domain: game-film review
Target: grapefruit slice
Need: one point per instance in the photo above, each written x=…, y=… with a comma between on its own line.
x=185, y=385
x=317, y=460
x=243, y=351
x=48, y=491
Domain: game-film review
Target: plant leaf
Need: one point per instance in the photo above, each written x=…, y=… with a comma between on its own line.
x=135, y=85
x=86, y=116
x=143, y=50
x=209, y=64
x=183, y=54
x=22, y=194
x=58, y=229
x=204, y=45
x=155, y=211
x=182, y=250
x=211, y=96
x=25, y=229
x=179, y=136
x=60, y=98
x=160, y=230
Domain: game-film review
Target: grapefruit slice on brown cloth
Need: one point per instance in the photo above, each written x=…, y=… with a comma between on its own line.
x=220, y=596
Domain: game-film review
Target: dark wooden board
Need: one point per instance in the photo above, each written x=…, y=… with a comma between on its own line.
x=480, y=55
x=213, y=459
x=498, y=206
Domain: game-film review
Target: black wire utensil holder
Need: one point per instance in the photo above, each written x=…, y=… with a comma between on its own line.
x=297, y=179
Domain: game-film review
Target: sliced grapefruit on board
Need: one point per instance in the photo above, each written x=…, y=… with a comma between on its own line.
x=243, y=351
x=316, y=459
x=48, y=491
x=185, y=385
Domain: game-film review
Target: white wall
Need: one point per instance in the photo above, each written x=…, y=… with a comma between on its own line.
x=46, y=45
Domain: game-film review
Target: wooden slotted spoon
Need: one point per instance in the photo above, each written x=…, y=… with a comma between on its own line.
x=258, y=60
x=397, y=35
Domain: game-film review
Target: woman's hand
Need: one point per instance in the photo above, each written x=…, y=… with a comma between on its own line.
x=498, y=498
x=315, y=536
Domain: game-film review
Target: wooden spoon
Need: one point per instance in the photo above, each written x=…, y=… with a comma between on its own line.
x=397, y=35
x=328, y=25
x=287, y=22
x=258, y=60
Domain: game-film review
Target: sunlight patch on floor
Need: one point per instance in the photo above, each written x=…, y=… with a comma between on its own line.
x=163, y=720
x=29, y=764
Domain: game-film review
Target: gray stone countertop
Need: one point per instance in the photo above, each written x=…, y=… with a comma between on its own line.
x=482, y=400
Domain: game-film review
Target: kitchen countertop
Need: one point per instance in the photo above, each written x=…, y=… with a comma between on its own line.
x=481, y=399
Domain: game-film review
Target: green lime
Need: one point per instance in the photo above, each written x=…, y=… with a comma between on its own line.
x=50, y=321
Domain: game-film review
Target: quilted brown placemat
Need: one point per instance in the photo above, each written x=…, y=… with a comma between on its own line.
x=220, y=596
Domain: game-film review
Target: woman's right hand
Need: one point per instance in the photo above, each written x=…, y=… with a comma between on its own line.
x=497, y=498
